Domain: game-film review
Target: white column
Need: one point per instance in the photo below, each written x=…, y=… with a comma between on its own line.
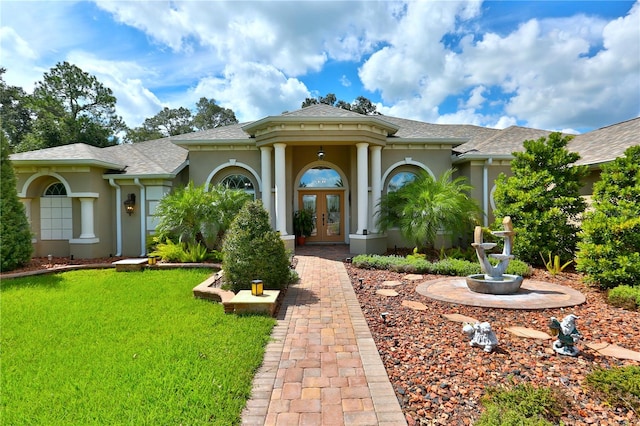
x=281, y=188
x=363, y=185
x=265, y=157
x=142, y=202
x=376, y=184
x=86, y=217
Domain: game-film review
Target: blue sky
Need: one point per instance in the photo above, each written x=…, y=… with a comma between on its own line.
x=571, y=66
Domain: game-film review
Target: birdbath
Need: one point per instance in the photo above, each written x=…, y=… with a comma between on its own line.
x=493, y=279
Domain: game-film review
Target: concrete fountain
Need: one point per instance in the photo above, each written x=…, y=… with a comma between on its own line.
x=493, y=279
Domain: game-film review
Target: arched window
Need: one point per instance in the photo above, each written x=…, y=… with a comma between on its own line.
x=56, y=221
x=238, y=181
x=399, y=180
x=55, y=189
x=321, y=177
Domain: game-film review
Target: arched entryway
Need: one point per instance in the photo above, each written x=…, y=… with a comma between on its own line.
x=321, y=190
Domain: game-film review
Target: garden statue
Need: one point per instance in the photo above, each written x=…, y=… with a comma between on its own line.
x=567, y=335
x=493, y=280
x=481, y=335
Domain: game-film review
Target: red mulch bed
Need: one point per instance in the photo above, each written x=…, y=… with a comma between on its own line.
x=439, y=379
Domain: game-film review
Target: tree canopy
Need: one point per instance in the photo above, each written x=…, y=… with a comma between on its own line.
x=178, y=121
x=71, y=106
x=361, y=105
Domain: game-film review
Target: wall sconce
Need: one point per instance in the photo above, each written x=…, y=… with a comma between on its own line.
x=257, y=287
x=130, y=203
x=320, y=154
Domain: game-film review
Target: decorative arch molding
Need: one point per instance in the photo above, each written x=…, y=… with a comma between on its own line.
x=406, y=162
x=321, y=163
x=67, y=187
x=234, y=163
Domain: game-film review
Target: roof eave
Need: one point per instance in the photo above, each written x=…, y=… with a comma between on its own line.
x=251, y=128
x=68, y=162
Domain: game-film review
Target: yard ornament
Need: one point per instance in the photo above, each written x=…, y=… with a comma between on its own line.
x=567, y=335
x=481, y=335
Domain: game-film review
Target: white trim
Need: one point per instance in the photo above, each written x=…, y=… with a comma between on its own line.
x=233, y=163
x=84, y=240
x=143, y=217
x=118, y=217
x=406, y=162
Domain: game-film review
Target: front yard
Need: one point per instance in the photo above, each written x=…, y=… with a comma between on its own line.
x=100, y=347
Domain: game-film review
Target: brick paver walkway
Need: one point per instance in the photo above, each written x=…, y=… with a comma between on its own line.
x=323, y=367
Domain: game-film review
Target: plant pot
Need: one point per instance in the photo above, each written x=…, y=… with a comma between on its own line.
x=300, y=240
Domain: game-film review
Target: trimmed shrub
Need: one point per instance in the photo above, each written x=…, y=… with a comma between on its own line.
x=15, y=234
x=625, y=296
x=609, y=250
x=620, y=387
x=522, y=404
x=252, y=250
x=411, y=264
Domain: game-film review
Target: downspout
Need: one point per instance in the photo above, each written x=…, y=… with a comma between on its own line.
x=118, y=217
x=485, y=190
x=143, y=217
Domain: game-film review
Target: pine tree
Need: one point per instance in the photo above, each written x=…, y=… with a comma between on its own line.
x=543, y=199
x=15, y=235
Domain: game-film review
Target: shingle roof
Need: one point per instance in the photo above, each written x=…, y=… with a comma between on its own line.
x=504, y=142
x=607, y=143
x=322, y=110
x=77, y=153
x=230, y=132
x=155, y=157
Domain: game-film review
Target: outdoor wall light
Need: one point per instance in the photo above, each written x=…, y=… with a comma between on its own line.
x=130, y=203
x=257, y=287
x=320, y=154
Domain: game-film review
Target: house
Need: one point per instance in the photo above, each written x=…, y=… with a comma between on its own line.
x=94, y=202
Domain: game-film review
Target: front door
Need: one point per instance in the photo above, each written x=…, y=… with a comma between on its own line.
x=328, y=212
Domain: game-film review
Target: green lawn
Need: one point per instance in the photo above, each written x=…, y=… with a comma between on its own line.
x=100, y=347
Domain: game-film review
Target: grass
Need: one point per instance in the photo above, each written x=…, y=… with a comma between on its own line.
x=100, y=347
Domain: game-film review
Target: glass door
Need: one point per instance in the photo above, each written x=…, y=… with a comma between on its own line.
x=327, y=209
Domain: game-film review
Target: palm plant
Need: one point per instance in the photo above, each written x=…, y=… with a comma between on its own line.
x=425, y=206
x=197, y=216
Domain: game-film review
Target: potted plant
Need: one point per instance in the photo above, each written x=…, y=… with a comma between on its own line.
x=302, y=225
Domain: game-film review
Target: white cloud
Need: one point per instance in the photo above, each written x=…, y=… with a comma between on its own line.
x=253, y=91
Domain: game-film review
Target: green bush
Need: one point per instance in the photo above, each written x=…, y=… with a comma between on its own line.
x=522, y=404
x=542, y=198
x=620, y=387
x=15, y=234
x=609, y=249
x=412, y=264
x=181, y=252
x=252, y=250
x=624, y=296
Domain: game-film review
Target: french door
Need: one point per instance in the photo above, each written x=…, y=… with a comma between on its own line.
x=327, y=208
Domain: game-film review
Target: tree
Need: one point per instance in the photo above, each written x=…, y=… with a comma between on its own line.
x=15, y=234
x=252, y=250
x=72, y=106
x=423, y=207
x=361, y=105
x=167, y=122
x=15, y=115
x=193, y=215
x=209, y=115
x=609, y=249
x=542, y=198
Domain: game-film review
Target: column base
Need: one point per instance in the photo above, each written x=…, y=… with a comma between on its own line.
x=367, y=244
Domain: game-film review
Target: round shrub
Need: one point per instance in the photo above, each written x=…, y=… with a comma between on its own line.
x=252, y=250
